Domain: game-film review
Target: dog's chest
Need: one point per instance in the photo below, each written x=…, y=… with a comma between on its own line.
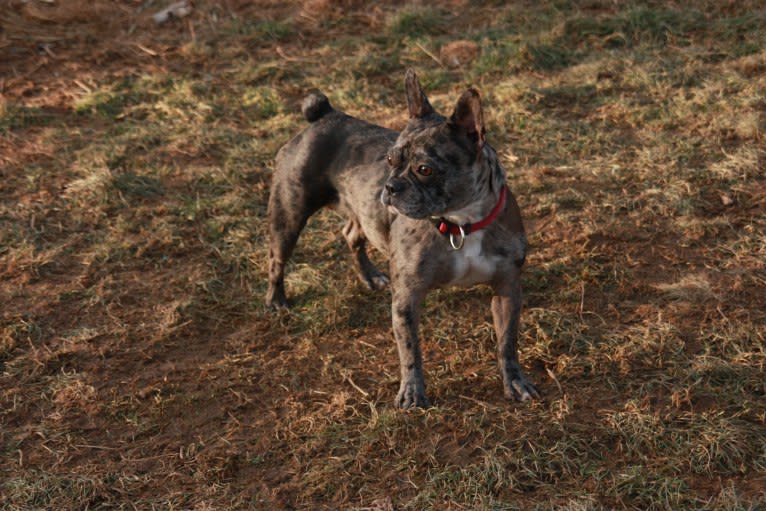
x=470, y=265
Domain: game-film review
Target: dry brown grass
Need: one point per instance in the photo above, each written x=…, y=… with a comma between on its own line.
x=140, y=370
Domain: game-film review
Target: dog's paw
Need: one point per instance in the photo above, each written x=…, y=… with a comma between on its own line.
x=412, y=395
x=375, y=280
x=276, y=300
x=521, y=389
x=380, y=281
x=278, y=306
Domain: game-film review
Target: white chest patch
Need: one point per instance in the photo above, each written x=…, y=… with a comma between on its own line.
x=469, y=265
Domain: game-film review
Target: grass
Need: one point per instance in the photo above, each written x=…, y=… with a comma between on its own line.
x=140, y=369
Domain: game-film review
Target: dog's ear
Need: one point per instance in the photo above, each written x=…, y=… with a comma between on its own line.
x=417, y=102
x=468, y=117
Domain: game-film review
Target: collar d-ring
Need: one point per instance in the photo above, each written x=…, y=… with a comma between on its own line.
x=451, y=229
x=459, y=245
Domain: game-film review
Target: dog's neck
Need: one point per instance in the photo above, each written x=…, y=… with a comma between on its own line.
x=475, y=211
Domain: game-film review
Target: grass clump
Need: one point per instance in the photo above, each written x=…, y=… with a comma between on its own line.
x=15, y=117
x=496, y=57
x=137, y=186
x=637, y=25
x=261, y=102
x=263, y=30
x=416, y=22
x=545, y=57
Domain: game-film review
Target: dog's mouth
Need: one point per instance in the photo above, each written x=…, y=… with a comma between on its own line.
x=385, y=199
x=399, y=206
x=404, y=210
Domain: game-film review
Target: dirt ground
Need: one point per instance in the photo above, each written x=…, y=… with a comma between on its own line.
x=139, y=368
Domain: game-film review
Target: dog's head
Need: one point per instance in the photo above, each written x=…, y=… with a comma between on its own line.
x=439, y=165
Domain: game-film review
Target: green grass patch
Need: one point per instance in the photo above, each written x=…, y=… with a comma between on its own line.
x=17, y=116
x=417, y=21
x=638, y=25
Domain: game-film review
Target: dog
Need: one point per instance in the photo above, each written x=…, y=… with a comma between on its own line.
x=432, y=198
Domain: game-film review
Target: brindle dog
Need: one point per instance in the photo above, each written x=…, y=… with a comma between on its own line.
x=433, y=198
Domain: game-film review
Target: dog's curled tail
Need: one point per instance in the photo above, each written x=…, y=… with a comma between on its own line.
x=315, y=106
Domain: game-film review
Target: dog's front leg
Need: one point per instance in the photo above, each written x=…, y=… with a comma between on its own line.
x=506, y=309
x=405, y=308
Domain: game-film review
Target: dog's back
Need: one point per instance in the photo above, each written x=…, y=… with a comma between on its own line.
x=332, y=141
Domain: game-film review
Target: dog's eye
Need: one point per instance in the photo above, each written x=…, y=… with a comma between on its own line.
x=425, y=170
x=390, y=160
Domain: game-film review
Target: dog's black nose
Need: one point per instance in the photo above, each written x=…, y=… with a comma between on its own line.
x=394, y=186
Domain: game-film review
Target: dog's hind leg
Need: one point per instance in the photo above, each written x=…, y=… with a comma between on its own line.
x=357, y=242
x=290, y=207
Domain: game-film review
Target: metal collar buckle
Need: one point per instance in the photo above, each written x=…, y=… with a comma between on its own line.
x=459, y=245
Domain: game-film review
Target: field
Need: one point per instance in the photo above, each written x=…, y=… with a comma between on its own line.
x=140, y=369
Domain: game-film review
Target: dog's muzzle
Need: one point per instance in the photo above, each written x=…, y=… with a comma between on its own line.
x=392, y=188
x=395, y=186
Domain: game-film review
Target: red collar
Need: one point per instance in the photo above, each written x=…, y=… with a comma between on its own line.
x=450, y=228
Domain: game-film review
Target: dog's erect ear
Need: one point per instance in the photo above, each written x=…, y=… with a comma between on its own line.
x=417, y=102
x=469, y=118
